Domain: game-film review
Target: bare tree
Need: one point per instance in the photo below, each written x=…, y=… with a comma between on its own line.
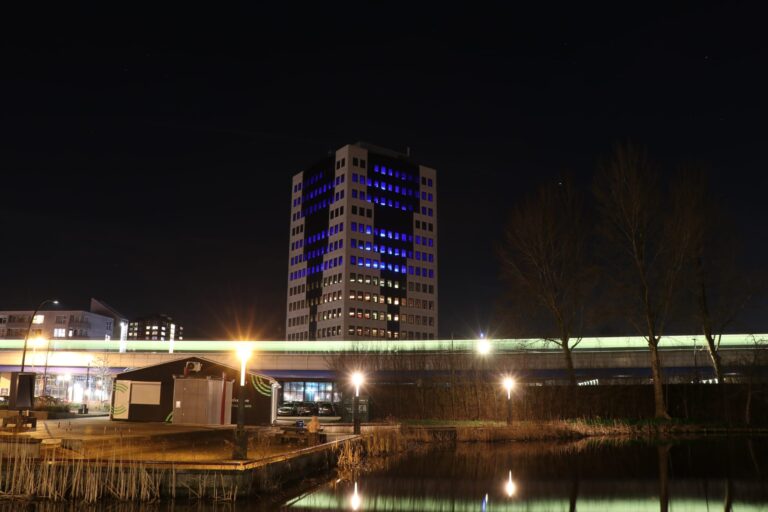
x=544, y=258
x=650, y=248
x=719, y=287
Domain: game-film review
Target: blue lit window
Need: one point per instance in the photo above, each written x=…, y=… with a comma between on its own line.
x=423, y=196
x=389, y=172
x=389, y=234
x=354, y=193
x=376, y=169
x=430, y=212
x=397, y=251
x=431, y=273
x=367, y=230
x=354, y=177
x=418, y=255
x=429, y=197
x=341, y=227
x=367, y=262
x=369, y=182
x=367, y=246
x=389, y=250
x=429, y=184
x=353, y=259
x=389, y=202
x=431, y=258
x=353, y=243
x=418, y=271
x=410, y=269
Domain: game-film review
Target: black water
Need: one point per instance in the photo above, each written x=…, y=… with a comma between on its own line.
x=702, y=475
x=705, y=475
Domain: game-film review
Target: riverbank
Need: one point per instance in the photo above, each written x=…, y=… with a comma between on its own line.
x=521, y=431
x=103, y=461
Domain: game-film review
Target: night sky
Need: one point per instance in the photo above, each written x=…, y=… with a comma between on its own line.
x=146, y=157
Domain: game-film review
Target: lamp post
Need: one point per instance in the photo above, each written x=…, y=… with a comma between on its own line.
x=240, y=451
x=38, y=342
x=509, y=383
x=29, y=328
x=87, y=390
x=357, y=380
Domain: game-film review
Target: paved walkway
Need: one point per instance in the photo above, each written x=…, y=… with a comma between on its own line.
x=102, y=428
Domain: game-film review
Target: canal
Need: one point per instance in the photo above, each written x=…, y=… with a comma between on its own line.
x=720, y=474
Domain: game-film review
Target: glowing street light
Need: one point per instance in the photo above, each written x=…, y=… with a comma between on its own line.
x=509, y=384
x=244, y=354
x=240, y=450
x=510, y=487
x=357, y=380
x=483, y=346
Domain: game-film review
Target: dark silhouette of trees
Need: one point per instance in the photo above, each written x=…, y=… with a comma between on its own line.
x=544, y=259
x=718, y=286
x=649, y=246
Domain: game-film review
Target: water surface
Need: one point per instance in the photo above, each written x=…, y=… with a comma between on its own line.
x=703, y=475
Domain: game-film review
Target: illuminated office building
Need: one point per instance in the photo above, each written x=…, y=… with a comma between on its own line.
x=363, y=248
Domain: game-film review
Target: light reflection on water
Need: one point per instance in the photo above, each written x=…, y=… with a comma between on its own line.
x=703, y=475
x=691, y=476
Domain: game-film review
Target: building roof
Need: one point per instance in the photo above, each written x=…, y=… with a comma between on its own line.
x=200, y=360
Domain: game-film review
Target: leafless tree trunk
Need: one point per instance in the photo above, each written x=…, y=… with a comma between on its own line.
x=544, y=259
x=718, y=283
x=650, y=245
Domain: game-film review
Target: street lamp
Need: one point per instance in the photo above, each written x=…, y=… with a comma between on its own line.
x=509, y=383
x=29, y=329
x=240, y=451
x=357, y=380
x=23, y=384
x=483, y=346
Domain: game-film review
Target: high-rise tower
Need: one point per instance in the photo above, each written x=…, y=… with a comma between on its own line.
x=363, y=248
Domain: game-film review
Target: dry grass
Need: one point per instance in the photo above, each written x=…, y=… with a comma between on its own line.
x=56, y=476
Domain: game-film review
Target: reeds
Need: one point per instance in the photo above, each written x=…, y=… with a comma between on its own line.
x=54, y=477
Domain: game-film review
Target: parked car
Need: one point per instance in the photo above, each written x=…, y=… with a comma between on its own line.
x=326, y=409
x=287, y=409
x=306, y=409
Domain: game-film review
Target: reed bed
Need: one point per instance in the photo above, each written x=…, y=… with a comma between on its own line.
x=57, y=476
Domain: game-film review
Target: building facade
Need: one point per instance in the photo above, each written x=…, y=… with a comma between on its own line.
x=56, y=324
x=363, y=248
x=155, y=327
